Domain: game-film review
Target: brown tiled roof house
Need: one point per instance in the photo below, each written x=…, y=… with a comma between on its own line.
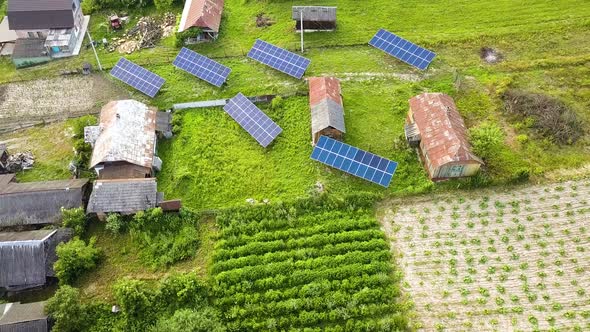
x=203, y=14
x=124, y=141
x=436, y=127
x=327, y=111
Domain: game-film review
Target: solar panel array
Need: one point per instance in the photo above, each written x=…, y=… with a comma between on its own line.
x=202, y=67
x=279, y=59
x=252, y=119
x=354, y=161
x=138, y=77
x=402, y=49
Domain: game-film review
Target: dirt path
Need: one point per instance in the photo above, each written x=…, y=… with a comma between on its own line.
x=496, y=261
x=24, y=104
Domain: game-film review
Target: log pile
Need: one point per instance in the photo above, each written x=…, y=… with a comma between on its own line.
x=145, y=34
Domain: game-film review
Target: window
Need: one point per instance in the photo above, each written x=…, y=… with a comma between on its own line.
x=40, y=34
x=74, y=6
x=31, y=34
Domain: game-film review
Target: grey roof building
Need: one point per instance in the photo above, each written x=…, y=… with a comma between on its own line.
x=40, y=14
x=315, y=18
x=327, y=112
x=126, y=196
x=27, y=257
x=33, y=203
x=23, y=317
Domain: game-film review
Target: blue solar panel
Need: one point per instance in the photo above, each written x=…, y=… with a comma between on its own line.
x=138, y=77
x=354, y=161
x=279, y=59
x=202, y=67
x=402, y=49
x=252, y=119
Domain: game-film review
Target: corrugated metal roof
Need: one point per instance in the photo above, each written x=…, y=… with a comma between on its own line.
x=314, y=13
x=326, y=104
x=125, y=196
x=5, y=179
x=443, y=132
x=204, y=14
x=23, y=258
x=11, y=314
x=36, y=5
x=38, y=202
x=128, y=133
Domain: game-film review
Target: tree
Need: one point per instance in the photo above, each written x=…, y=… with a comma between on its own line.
x=66, y=310
x=187, y=320
x=136, y=300
x=75, y=219
x=182, y=291
x=114, y=223
x=74, y=258
x=163, y=5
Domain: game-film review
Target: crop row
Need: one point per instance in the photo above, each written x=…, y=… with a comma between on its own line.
x=242, y=293
x=241, y=227
x=331, y=227
x=315, y=241
x=349, y=319
x=301, y=277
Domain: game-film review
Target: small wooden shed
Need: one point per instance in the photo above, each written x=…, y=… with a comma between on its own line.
x=327, y=110
x=204, y=15
x=19, y=317
x=435, y=126
x=314, y=18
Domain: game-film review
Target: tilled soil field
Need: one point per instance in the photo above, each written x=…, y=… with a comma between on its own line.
x=24, y=104
x=513, y=261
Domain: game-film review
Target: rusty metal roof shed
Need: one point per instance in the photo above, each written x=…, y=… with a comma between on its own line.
x=205, y=14
x=127, y=133
x=442, y=130
x=326, y=104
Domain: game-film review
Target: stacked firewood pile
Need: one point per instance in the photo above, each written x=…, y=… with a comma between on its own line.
x=145, y=34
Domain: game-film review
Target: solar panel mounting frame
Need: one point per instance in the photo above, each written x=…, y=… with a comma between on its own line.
x=355, y=161
x=137, y=77
x=278, y=58
x=402, y=49
x=202, y=67
x=252, y=119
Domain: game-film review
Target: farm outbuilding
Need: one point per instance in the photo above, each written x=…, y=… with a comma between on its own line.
x=35, y=203
x=204, y=15
x=27, y=258
x=124, y=142
x=314, y=18
x=435, y=126
x=327, y=110
x=126, y=196
x=23, y=317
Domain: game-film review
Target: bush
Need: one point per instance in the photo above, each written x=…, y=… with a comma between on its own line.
x=74, y=258
x=83, y=149
x=551, y=117
x=487, y=139
x=66, y=310
x=276, y=103
x=75, y=219
x=192, y=32
x=182, y=291
x=186, y=320
x=115, y=223
x=136, y=300
x=163, y=5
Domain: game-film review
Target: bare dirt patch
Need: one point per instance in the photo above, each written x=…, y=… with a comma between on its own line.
x=497, y=261
x=490, y=55
x=24, y=104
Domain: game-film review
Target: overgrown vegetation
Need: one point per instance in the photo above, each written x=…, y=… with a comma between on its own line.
x=316, y=262
x=75, y=219
x=74, y=258
x=548, y=116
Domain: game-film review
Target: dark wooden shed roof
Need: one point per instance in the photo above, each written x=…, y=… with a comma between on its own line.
x=40, y=14
x=38, y=202
x=123, y=196
x=23, y=317
x=442, y=130
x=314, y=13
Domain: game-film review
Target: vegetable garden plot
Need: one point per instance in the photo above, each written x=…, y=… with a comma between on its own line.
x=503, y=262
x=280, y=268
